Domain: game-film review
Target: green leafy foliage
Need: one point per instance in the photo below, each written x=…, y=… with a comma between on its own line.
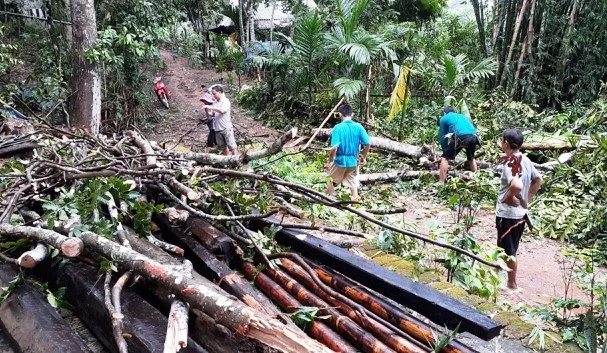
x=13, y=284
x=306, y=315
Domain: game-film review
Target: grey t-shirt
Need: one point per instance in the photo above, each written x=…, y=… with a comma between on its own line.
x=222, y=121
x=527, y=175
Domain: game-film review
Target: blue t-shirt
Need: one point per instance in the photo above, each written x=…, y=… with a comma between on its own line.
x=454, y=123
x=348, y=136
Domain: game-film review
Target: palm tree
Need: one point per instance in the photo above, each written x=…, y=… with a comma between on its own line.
x=452, y=72
x=307, y=44
x=355, y=49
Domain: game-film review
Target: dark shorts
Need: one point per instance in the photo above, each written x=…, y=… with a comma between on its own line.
x=509, y=233
x=468, y=142
x=211, y=139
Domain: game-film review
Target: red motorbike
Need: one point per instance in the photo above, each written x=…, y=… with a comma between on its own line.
x=162, y=92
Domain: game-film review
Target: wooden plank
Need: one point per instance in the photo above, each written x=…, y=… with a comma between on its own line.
x=438, y=307
x=32, y=323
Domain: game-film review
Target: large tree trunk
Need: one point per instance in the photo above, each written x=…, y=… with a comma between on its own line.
x=513, y=41
x=480, y=22
x=85, y=104
x=243, y=39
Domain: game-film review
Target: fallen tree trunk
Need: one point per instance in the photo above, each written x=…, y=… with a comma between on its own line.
x=399, y=148
x=547, y=146
x=414, y=327
x=32, y=323
x=234, y=315
x=245, y=157
x=146, y=325
x=403, y=175
x=213, y=239
x=315, y=329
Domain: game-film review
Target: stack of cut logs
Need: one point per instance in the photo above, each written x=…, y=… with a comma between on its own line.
x=181, y=285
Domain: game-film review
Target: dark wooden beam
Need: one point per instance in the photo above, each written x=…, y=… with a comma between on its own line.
x=145, y=325
x=32, y=323
x=440, y=308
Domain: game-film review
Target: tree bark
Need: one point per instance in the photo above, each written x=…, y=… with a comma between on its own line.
x=243, y=39
x=480, y=23
x=209, y=266
x=316, y=329
x=85, y=104
x=399, y=148
x=385, y=309
x=391, y=338
x=515, y=33
x=234, y=315
x=70, y=247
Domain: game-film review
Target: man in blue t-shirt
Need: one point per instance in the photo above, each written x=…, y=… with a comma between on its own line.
x=346, y=139
x=455, y=133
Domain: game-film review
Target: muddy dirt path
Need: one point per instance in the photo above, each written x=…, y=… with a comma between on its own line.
x=185, y=84
x=541, y=274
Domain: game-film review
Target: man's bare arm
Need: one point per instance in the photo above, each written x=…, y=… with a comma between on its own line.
x=534, y=188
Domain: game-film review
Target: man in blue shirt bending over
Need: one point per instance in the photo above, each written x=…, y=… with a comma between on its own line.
x=346, y=139
x=455, y=133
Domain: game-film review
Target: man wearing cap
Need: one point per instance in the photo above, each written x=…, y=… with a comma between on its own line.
x=222, y=121
x=455, y=133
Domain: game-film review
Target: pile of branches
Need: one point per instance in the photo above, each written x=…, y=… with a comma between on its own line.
x=100, y=199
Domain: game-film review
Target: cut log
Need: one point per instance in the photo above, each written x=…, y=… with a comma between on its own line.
x=234, y=315
x=315, y=329
x=440, y=308
x=214, y=240
x=413, y=326
x=398, y=148
x=403, y=175
x=209, y=266
x=32, y=323
x=31, y=258
x=341, y=323
x=70, y=247
x=145, y=325
x=389, y=337
x=210, y=158
x=531, y=146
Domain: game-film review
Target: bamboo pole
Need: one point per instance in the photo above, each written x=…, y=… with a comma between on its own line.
x=414, y=327
x=343, y=324
x=316, y=329
x=391, y=338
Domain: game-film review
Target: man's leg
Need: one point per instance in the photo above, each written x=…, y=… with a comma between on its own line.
x=473, y=166
x=225, y=151
x=330, y=187
x=354, y=193
x=442, y=172
x=512, y=274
